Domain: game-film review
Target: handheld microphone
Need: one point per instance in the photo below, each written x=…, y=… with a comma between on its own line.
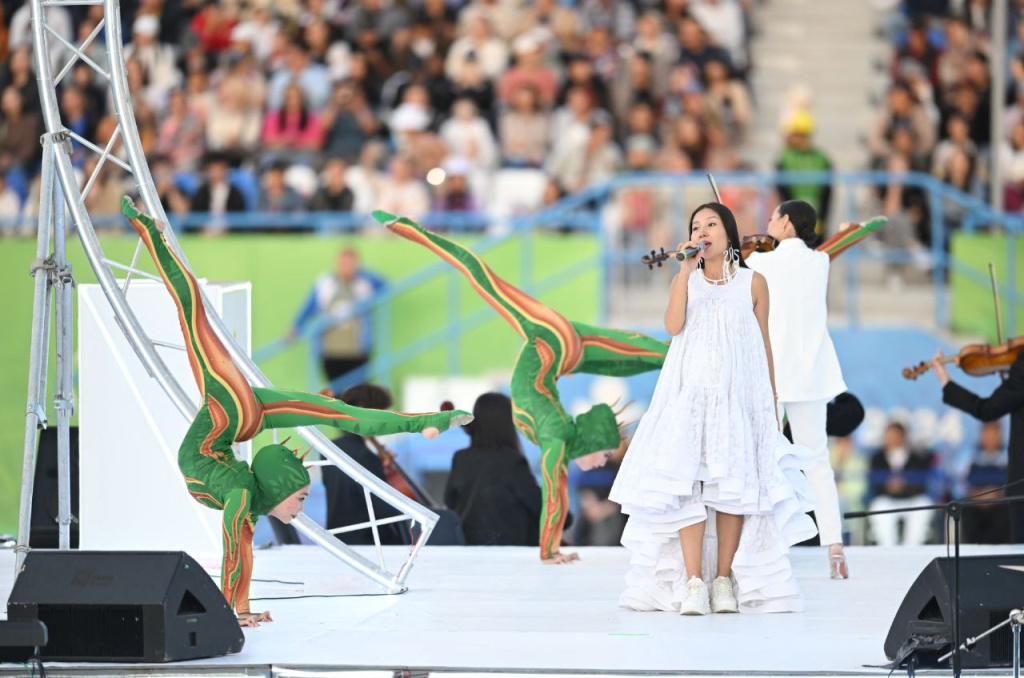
x=691, y=252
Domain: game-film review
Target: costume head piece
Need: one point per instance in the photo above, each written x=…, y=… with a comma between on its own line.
x=279, y=474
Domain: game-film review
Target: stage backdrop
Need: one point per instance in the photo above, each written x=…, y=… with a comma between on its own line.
x=282, y=268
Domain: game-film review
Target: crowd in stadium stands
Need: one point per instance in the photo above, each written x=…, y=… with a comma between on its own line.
x=347, y=105
x=935, y=116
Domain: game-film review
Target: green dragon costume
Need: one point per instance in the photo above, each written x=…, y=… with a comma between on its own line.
x=233, y=411
x=554, y=347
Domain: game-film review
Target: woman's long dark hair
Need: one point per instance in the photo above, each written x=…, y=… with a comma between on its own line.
x=728, y=222
x=368, y=396
x=492, y=425
x=282, y=114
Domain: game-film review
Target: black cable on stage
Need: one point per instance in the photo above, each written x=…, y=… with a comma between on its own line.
x=331, y=595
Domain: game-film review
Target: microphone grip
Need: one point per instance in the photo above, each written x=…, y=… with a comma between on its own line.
x=689, y=253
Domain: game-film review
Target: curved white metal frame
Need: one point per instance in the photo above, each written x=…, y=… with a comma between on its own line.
x=127, y=132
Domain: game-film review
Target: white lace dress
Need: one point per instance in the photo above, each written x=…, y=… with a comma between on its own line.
x=710, y=441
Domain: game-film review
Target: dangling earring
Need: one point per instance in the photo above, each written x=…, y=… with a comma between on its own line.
x=731, y=258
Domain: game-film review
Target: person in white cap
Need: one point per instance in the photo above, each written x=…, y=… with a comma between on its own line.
x=159, y=62
x=530, y=70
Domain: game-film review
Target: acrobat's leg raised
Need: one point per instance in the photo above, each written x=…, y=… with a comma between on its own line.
x=528, y=317
x=286, y=409
x=618, y=353
x=236, y=412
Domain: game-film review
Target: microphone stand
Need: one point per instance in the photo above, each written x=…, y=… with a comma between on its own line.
x=954, y=510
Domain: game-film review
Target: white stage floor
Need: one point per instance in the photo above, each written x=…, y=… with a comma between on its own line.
x=500, y=609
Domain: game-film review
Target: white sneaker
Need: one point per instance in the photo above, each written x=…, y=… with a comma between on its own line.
x=723, y=599
x=696, y=602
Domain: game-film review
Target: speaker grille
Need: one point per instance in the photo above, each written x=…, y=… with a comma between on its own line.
x=94, y=631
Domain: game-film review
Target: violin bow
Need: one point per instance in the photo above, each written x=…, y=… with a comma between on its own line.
x=995, y=298
x=714, y=187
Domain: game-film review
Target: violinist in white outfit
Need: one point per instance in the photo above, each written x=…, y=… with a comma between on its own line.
x=807, y=374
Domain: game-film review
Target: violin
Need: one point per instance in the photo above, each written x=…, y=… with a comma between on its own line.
x=977, y=360
x=835, y=245
x=980, y=360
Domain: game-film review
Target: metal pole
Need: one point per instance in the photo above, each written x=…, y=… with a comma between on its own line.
x=1015, y=625
x=63, y=397
x=996, y=96
x=35, y=411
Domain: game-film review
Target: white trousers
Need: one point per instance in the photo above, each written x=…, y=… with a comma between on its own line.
x=885, y=528
x=807, y=424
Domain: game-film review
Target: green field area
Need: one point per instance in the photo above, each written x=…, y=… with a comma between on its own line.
x=282, y=268
x=973, y=310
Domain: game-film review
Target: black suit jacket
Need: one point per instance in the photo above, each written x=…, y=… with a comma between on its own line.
x=1008, y=398
x=201, y=199
x=495, y=496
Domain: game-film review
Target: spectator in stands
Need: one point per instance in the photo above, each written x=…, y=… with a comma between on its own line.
x=898, y=479
x=375, y=16
x=1015, y=112
x=157, y=59
x=902, y=108
x=348, y=122
x=523, y=130
x=171, y=197
x=599, y=46
x=18, y=72
x=293, y=131
x=75, y=116
x=413, y=139
x=339, y=300
x=589, y=160
x=233, y=123
x=634, y=84
x=84, y=78
x=401, y=193
x=491, y=486
x=277, y=197
x=580, y=73
x=346, y=499
x=530, y=70
x=468, y=136
x=104, y=199
x=1012, y=159
x=311, y=77
x=19, y=133
x=478, y=45
x=652, y=39
x=212, y=26
x=454, y=194
x=334, y=195
x=180, y=137
x=696, y=49
x=729, y=100
x=957, y=139
x=956, y=53
x=724, y=23
x=217, y=196
x=918, y=47
x=988, y=524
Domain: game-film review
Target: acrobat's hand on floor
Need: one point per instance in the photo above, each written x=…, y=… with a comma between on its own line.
x=560, y=558
x=253, y=620
x=594, y=460
x=838, y=568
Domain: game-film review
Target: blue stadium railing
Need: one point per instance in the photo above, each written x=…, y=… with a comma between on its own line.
x=584, y=211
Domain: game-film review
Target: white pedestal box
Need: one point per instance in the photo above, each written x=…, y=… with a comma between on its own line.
x=131, y=494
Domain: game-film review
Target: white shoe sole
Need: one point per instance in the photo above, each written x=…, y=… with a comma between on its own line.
x=728, y=608
x=694, y=611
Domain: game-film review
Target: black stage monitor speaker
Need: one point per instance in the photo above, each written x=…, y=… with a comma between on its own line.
x=990, y=586
x=19, y=641
x=117, y=606
x=44, y=529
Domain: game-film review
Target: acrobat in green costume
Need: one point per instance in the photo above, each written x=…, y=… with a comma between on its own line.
x=554, y=346
x=232, y=411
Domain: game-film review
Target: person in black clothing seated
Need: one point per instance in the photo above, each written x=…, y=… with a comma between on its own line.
x=1008, y=398
x=491, y=487
x=898, y=479
x=346, y=503
x=987, y=523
